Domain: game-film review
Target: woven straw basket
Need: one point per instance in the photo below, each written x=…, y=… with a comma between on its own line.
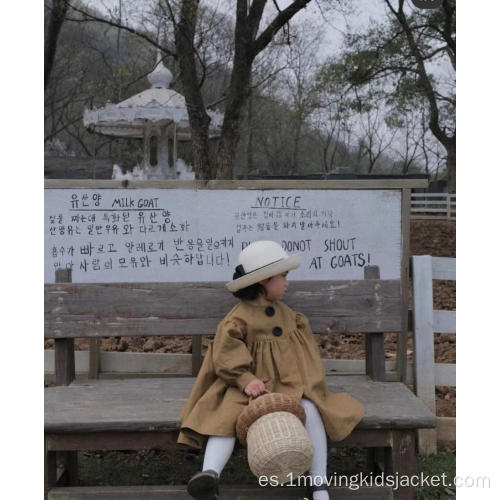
x=278, y=445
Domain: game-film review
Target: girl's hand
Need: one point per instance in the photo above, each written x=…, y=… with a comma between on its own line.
x=255, y=388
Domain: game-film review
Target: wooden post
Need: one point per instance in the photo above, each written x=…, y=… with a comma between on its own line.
x=94, y=358
x=50, y=473
x=64, y=360
x=401, y=459
x=423, y=341
x=375, y=368
x=374, y=342
x=69, y=460
x=64, y=349
x=401, y=358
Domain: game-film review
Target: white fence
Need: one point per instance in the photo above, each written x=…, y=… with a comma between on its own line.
x=433, y=205
x=426, y=322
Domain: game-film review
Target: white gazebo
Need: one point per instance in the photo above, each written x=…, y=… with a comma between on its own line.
x=159, y=116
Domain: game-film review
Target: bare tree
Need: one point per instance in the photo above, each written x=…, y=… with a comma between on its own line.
x=395, y=55
x=302, y=64
x=249, y=41
x=445, y=30
x=409, y=132
x=338, y=131
x=374, y=135
x=84, y=73
x=333, y=119
x=57, y=14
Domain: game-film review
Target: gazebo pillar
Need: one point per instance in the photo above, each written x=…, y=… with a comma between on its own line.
x=163, y=150
x=175, y=149
x=147, y=136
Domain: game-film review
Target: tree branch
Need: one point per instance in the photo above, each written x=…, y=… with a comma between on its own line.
x=423, y=77
x=90, y=17
x=449, y=11
x=278, y=22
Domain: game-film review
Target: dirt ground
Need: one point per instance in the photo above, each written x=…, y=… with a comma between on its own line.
x=430, y=237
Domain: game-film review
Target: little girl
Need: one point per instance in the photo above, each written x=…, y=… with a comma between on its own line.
x=261, y=345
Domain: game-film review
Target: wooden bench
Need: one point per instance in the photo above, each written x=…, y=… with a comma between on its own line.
x=141, y=413
x=427, y=322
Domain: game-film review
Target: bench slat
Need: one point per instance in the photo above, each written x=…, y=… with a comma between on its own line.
x=144, y=440
x=227, y=492
x=139, y=364
x=154, y=404
x=139, y=309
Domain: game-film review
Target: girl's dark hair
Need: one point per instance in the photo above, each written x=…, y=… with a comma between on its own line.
x=250, y=292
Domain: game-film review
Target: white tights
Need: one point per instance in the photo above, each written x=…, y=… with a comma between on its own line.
x=219, y=449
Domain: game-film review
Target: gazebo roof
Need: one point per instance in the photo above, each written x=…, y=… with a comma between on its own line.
x=159, y=106
x=153, y=97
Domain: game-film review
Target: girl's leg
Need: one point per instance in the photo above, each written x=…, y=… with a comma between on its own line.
x=205, y=484
x=316, y=431
x=217, y=453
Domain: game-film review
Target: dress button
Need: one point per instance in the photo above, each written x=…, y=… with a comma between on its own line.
x=270, y=311
x=277, y=331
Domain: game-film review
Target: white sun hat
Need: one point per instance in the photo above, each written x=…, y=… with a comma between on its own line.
x=260, y=260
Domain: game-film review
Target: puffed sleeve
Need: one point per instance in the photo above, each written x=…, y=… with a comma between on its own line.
x=304, y=326
x=232, y=359
x=303, y=323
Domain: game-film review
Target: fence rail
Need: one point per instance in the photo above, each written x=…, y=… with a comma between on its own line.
x=433, y=205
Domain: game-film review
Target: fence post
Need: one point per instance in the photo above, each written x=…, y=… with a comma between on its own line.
x=402, y=355
x=448, y=206
x=64, y=349
x=423, y=346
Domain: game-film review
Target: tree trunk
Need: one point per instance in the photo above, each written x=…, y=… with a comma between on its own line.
x=326, y=162
x=230, y=134
x=360, y=153
x=296, y=143
x=451, y=161
x=198, y=118
x=239, y=90
x=246, y=48
x=250, y=162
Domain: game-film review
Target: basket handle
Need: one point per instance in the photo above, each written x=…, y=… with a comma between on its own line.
x=251, y=398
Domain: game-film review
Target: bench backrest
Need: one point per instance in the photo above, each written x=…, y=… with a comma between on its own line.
x=149, y=309
x=370, y=306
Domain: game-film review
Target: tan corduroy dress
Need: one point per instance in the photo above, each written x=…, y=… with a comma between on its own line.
x=269, y=341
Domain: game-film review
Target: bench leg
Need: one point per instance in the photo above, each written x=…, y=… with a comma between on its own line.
x=50, y=472
x=402, y=460
x=70, y=464
x=69, y=477
x=375, y=459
